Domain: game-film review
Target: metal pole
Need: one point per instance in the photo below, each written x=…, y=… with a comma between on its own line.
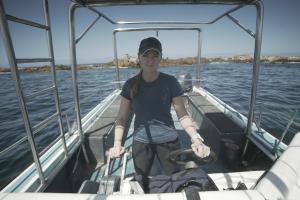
x=255, y=74
x=53, y=71
x=155, y=29
x=88, y=28
x=15, y=74
x=74, y=76
x=90, y=7
x=199, y=57
x=285, y=132
x=240, y=25
x=116, y=60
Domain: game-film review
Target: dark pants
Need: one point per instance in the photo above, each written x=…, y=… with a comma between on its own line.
x=144, y=154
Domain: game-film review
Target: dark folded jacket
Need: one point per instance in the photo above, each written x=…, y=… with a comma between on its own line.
x=195, y=178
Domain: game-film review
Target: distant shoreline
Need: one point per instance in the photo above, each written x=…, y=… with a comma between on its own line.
x=131, y=62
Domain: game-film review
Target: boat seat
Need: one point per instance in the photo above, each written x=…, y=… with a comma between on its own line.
x=108, y=185
x=225, y=181
x=89, y=187
x=283, y=180
x=98, y=137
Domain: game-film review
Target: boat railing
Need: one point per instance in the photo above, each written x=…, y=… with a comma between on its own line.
x=33, y=130
x=262, y=112
x=23, y=100
x=227, y=109
x=72, y=127
x=284, y=118
x=66, y=114
x=275, y=150
x=287, y=123
x=16, y=144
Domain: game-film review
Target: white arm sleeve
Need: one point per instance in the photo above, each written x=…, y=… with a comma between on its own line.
x=191, y=129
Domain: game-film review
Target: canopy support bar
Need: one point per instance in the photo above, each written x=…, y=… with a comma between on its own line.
x=88, y=28
x=240, y=25
x=256, y=66
x=72, y=9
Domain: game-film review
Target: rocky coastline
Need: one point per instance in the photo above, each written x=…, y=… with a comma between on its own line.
x=131, y=62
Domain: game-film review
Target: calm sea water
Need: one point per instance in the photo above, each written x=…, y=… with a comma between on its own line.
x=277, y=100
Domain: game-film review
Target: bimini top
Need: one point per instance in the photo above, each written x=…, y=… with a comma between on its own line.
x=142, y=2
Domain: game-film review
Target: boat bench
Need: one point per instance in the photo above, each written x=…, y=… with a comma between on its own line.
x=282, y=181
x=98, y=137
x=216, y=127
x=227, y=181
x=95, y=140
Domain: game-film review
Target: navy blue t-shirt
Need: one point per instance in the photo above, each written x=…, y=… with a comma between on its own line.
x=154, y=99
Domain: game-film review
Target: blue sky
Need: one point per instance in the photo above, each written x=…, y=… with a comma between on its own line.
x=280, y=37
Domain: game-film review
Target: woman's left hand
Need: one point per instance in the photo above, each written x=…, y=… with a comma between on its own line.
x=200, y=149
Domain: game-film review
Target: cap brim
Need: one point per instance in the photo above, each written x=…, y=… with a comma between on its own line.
x=153, y=49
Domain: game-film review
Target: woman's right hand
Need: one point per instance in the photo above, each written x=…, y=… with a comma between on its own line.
x=116, y=151
x=200, y=149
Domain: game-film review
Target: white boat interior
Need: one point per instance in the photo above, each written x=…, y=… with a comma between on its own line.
x=249, y=162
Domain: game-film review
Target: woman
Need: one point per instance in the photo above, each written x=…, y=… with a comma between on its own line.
x=150, y=94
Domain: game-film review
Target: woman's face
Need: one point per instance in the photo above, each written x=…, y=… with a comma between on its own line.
x=149, y=61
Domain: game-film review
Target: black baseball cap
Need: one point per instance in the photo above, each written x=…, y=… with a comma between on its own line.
x=150, y=43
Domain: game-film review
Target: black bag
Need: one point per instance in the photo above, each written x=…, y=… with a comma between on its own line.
x=195, y=179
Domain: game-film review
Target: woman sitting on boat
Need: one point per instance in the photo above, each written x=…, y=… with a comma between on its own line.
x=150, y=94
